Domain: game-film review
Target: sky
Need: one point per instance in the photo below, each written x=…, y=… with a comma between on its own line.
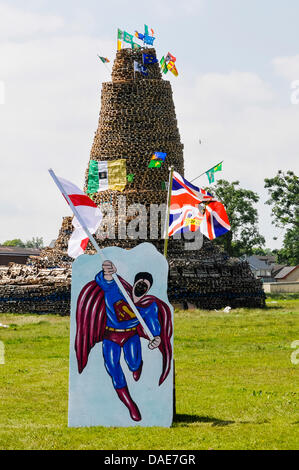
x=237, y=92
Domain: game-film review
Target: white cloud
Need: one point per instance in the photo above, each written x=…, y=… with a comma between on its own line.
x=16, y=23
x=233, y=91
x=287, y=67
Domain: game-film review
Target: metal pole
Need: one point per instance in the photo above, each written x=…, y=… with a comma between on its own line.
x=166, y=237
x=206, y=171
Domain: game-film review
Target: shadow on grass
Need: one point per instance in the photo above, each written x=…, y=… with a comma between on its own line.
x=188, y=419
x=273, y=307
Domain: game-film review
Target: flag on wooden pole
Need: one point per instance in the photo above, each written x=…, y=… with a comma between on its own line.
x=88, y=212
x=64, y=186
x=185, y=212
x=120, y=36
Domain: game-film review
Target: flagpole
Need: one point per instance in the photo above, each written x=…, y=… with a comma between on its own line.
x=206, y=171
x=76, y=213
x=166, y=227
x=100, y=252
x=107, y=68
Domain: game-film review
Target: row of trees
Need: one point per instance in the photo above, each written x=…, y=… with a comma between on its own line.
x=244, y=237
x=35, y=242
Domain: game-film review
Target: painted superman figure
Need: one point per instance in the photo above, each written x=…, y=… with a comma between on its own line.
x=104, y=315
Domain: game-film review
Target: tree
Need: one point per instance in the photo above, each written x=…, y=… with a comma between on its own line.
x=289, y=254
x=243, y=217
x=284, y=198
x=15, y=242
x=35, y=242
x=259, y=251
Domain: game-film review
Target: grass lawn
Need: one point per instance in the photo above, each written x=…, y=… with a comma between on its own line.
x=236, y=386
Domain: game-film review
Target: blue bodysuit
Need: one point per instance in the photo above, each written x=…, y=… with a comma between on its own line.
x=121, y=317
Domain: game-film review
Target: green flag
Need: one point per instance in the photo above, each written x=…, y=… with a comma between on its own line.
x=120, y=34
x=128, y=37
x=93, y=177
x=163, y=65
x=210, y=173
x=103, y=59
x=218, y=167
x=145, y=30
x=155, y=164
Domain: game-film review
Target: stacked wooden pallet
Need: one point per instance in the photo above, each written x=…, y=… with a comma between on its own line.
x=137, y=118
x=31, y=289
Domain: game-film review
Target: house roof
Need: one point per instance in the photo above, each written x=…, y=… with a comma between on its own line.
x=256, y=263
x=285, y=272
x=19, y=251
x=270, y=259
x=276, y=268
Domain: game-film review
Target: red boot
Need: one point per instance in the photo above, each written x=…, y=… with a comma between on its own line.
x=137, y=373
x=125, y=397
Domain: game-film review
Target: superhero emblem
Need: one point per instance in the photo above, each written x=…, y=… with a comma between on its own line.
x=123, y=311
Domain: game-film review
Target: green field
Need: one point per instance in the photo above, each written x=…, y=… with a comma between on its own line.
x=236, y=387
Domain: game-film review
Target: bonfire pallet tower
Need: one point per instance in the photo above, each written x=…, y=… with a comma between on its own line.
x=137, y=118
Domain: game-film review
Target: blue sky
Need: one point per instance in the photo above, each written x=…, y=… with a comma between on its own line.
x=236, y=59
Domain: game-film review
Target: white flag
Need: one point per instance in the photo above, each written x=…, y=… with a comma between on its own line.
x=89, y=213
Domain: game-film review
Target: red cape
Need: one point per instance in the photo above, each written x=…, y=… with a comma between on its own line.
x=91, y=323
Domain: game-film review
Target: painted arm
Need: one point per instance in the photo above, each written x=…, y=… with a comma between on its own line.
x=104, y=278
x=152, y=320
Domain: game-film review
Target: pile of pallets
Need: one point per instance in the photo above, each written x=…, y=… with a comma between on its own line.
x=30, y=289
x=137, y=118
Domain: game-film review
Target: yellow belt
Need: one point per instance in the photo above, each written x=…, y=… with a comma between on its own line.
x=120, y=331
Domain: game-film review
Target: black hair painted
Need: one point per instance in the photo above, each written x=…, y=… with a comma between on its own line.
x=146, y=276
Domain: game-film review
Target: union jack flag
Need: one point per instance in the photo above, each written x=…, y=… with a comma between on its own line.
x=184, y=211
x=215, y=222
x=185, y=214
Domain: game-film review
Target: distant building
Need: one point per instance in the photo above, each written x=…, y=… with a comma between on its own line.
x=16, y=254
x=52, y=244
x=276, y=268
x=265, y=268
x=268, y=259
x=260, y=268
x=288, y=274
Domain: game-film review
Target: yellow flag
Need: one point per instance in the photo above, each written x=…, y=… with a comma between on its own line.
x=117, y=174
x=174, y=71
x=172, y=68
x=119, y=44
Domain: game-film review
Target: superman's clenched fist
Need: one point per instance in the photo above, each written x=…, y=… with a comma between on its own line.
x=109, y=269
